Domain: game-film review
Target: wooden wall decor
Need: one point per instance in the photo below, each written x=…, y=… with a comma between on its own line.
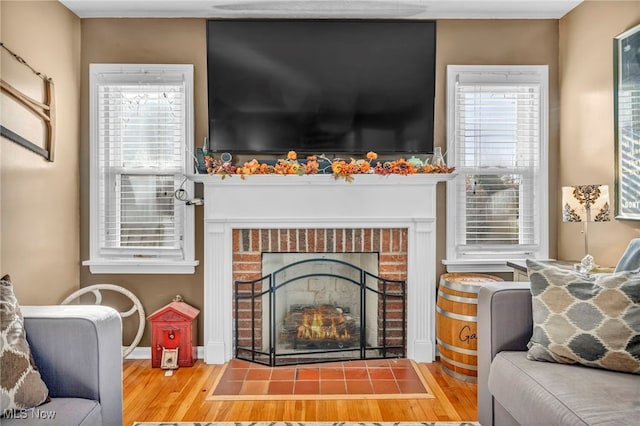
x=44, y=110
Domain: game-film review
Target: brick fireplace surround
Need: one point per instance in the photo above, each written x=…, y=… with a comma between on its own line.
x=250, y=244
x=305, y=214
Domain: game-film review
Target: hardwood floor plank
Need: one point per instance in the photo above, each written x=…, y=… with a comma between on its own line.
x=462, y=396
x=149, y=395
x=446, y=409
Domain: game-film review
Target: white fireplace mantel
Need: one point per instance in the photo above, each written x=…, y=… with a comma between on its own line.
x=319, y=201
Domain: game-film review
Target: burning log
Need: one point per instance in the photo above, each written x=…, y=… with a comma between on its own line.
x=319, y=326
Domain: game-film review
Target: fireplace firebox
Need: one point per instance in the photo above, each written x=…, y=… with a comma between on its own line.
x=320, y=309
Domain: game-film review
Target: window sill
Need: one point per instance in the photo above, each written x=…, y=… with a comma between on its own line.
x=137, y=266
x=477, y=265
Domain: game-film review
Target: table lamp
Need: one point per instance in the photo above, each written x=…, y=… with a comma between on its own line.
x=585, y=203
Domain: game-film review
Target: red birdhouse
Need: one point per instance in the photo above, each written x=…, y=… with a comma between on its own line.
x=174, y=334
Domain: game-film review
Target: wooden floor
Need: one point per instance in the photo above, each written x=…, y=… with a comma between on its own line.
x=149, y=395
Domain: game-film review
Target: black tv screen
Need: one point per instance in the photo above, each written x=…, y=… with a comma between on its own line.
x=321, y=86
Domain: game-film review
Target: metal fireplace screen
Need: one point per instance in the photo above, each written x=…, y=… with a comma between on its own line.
x=319, y=310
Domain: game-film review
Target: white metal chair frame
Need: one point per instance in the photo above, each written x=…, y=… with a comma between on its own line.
x=137, y=306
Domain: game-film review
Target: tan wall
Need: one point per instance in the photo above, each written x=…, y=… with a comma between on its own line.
x=40, y=243
x=40, y=205
x=183, y=41
x=177, y=41
x=586, y=153
x=496, y=42
x=39, y=215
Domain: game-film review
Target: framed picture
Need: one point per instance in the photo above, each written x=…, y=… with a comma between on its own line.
x=626, y=90
x=169, y=359
x=27, y=102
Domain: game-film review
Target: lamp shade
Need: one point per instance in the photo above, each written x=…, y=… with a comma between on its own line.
x=585, y=203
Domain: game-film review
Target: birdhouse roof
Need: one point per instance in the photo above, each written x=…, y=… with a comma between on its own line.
x=181, y=309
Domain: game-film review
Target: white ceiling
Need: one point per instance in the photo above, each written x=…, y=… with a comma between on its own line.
x=400, y=9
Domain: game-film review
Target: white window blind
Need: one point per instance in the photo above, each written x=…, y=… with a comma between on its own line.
x=496, y=140
x=141, y=122
x=141, y=155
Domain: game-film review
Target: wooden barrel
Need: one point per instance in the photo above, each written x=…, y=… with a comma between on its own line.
x=456, y=323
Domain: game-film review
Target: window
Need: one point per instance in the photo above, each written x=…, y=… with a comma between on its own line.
x=497, y=140
x=141, y=124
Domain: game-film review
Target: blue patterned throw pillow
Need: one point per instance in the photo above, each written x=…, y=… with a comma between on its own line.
x=590, y=320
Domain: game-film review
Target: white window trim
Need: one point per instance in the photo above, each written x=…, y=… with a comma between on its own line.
x=497, y=262
x=99, y=264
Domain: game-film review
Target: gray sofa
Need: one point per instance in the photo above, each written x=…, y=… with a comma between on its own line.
x=513, y=390
x=78, y=351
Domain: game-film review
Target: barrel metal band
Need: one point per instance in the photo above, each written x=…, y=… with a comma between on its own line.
x=459, y=364
x=456, y=316
x=463, y=377
x=456, y=349
x=469, y=300
x=460, y=287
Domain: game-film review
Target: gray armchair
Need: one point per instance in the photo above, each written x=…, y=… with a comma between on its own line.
x=504, y=324
x=513, y=390
x=78, y=350
x=630, y=259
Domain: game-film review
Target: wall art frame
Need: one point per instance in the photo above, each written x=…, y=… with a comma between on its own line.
x=24, y=115
x=626, y=91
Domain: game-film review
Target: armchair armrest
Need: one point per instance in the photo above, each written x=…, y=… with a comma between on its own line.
x=78, y=350
x=505, y=323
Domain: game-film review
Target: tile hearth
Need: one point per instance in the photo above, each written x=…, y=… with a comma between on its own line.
x=388, y=378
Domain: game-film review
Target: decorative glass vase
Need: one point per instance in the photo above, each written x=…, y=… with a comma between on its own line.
x=437, y=159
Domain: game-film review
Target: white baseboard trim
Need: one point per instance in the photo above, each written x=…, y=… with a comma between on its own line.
x=144, y=352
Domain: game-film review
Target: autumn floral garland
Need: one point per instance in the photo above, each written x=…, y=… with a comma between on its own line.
x=339, y=168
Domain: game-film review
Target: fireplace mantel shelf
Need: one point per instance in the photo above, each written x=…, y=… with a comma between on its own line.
x=312, y=202
x=322, y=179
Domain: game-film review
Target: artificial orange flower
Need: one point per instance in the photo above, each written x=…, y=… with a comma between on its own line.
x=337, y=166
x=351, y=168
x=280, y=168
x=312, y=166
x=402, y=167
x=251, y=167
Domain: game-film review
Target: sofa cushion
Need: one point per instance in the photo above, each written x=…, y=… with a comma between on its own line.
x=538, y=393
x=59, y=412
x=21, y=386
x=591, y=320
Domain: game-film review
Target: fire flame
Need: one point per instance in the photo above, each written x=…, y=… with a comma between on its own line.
x=315, y=326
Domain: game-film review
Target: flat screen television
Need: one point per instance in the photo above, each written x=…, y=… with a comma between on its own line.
x=321, y=86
